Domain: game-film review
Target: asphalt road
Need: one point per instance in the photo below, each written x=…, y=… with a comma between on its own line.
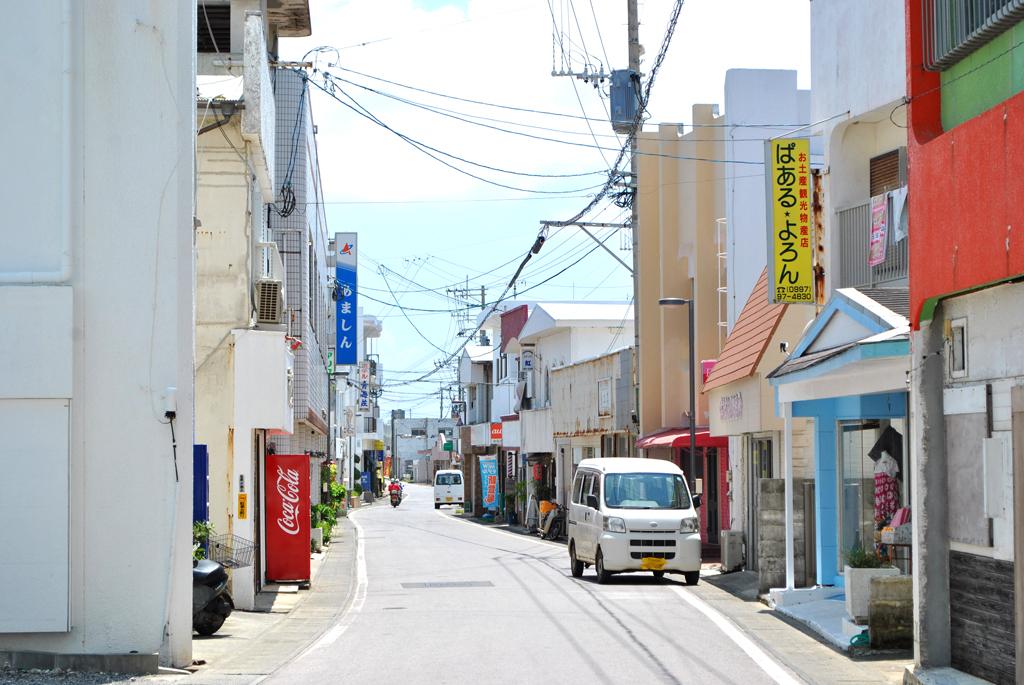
x=440, y=600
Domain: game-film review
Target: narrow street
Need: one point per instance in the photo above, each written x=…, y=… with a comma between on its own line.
x=441, y=599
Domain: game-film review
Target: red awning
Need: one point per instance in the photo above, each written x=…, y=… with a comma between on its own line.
x=680, y=437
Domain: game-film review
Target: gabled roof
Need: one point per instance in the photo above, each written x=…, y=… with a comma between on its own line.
x=549, y=316
x=852, y=319
x=749, y=337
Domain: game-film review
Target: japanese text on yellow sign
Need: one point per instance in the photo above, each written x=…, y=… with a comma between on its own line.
x=243, y=506
x=791, y=251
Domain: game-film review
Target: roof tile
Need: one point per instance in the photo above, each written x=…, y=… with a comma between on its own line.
x=749, y=338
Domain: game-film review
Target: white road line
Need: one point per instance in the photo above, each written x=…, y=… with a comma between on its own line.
x=767, y=664
x=359, y=598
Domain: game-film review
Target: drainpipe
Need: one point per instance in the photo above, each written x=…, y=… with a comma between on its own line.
x=787, y=415
x=227, y=110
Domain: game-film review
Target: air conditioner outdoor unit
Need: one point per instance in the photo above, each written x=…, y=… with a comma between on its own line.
x=269, y=301
x=732, y=550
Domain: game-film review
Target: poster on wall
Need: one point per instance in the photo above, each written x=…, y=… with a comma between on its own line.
x=879, y=229
x=287, y=517
x=489, y=481
x=790, y=244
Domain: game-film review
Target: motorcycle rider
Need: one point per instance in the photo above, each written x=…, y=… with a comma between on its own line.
x=395, y=489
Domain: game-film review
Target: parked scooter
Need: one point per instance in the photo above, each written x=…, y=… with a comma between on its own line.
x=211, y=603
x=552, y=526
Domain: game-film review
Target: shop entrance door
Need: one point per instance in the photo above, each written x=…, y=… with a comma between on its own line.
x=711, y=492
x=759, y=466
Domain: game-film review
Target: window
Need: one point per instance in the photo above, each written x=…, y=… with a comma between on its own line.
x=213, y=27
x=588, y=482
x=419, y=432
x=869, y=448
x=954, y=30
x=958, y=348
x=588, y=452
x=448, y=479
x=502, y=367
x=595, y=486
x=313, y=299
x=577, y=488
x=887, y=172
x=607, y=446
x=646, y=491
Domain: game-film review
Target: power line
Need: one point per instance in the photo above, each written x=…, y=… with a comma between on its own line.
x=429, y=151
x=596, y=145
x=540, y=111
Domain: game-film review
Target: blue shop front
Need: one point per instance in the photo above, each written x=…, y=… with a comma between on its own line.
x=849, y=374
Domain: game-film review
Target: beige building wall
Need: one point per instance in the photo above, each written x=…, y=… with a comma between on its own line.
x=223, y=264
x=679, y=201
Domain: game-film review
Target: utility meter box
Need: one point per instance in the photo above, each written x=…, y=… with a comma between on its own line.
x=625, y=99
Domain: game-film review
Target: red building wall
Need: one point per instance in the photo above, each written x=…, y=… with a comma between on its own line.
x=966, y=187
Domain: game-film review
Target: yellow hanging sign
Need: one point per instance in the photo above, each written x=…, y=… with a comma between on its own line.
x=790, y=244
x=243, y=506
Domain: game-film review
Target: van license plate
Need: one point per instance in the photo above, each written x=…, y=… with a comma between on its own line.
x=447, y=499
x=652, y=564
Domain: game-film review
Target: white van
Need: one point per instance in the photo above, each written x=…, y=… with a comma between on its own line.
x=633, y=515
x=448, y=488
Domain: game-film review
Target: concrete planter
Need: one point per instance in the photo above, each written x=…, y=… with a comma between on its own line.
x=857, y=585
x=353, y=501
x=317, y=534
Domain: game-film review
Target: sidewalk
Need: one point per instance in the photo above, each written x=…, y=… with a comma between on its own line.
x=735, y=596
x=254, y=644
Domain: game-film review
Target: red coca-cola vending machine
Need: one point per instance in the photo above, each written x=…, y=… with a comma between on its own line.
x=287, y=519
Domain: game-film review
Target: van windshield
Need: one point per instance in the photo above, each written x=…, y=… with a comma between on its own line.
x=448, y=479
x=646, y=491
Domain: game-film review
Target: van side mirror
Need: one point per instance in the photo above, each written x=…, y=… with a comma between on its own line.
x=592, y=502
x=696, y=501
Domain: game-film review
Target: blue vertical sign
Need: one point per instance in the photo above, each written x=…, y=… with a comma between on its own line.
x=489, y=481
x=347, y=314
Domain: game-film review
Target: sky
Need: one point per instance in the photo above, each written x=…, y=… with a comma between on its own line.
x=425, y=228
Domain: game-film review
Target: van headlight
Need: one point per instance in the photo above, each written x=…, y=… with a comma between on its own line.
x=688, y=525
x=613, y=524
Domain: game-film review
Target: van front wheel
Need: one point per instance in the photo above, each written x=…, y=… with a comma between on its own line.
x=602, y=575
x=575, y=565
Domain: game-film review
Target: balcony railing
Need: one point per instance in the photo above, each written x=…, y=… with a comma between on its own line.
x=854, y=237
x=271, y=268
x=954, y=29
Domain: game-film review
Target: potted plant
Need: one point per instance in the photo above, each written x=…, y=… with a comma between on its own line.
x=861, y=567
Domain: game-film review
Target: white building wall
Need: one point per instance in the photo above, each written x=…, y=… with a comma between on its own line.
x=753, y=98
x=845, y=75
x=121, y=278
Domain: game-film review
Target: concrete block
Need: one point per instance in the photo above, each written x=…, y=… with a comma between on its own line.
x=88, y=663
x=893, y=588
x=768, y=501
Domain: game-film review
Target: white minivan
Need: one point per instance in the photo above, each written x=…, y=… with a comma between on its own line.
x=448, y=488
x=633, y=515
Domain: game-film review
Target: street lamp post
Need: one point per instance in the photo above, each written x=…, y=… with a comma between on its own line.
x=692, y=460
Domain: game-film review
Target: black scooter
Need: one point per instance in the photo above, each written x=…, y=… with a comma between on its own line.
x=211, y=603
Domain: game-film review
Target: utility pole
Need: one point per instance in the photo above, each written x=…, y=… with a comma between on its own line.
x=633, y=35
